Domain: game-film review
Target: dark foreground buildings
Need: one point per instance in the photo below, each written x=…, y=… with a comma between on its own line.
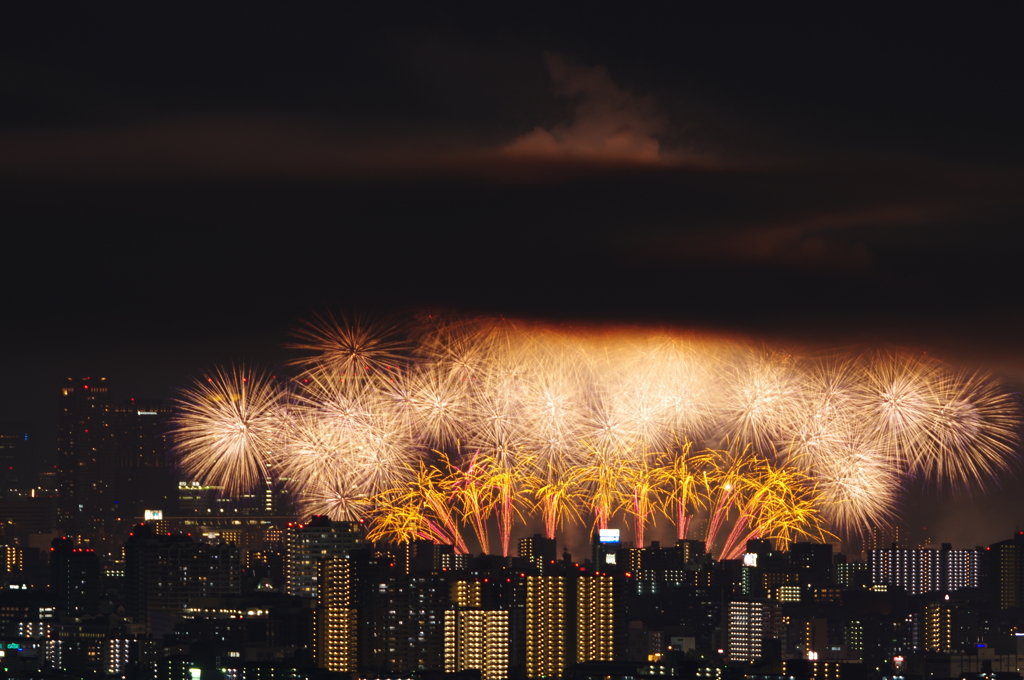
x=112, y=460
x=315, y=599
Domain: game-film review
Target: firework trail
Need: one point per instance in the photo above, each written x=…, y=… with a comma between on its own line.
x=641, y=491
x=474, y=493
x=423, y=510
x=559, y=499
x=680, y=484
x=772, y=501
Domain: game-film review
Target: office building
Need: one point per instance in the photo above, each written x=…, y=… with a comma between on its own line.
x=605, y=546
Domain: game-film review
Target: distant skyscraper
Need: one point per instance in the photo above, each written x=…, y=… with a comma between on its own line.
x=112, y=459
x=141, y=478
x=83, y=439
x=424, y=556
x=880, y=537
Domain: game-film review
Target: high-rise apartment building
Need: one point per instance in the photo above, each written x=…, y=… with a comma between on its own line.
x=549, y=631
x=309, y=544
x=419, y=622
x=937, y=627
x=400, y=617
x=163, y=572
x=747, y=624
x=1005, y=567
x=12, y=560
x=336, y=625
x=925, y=570
x=597, y=629
x=467, y=594
x=477, y=639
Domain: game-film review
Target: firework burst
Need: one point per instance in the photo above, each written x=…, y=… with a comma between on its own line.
x=472, y=425
x=227, y=427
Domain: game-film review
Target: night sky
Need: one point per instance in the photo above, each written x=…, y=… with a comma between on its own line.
x=179, y=187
